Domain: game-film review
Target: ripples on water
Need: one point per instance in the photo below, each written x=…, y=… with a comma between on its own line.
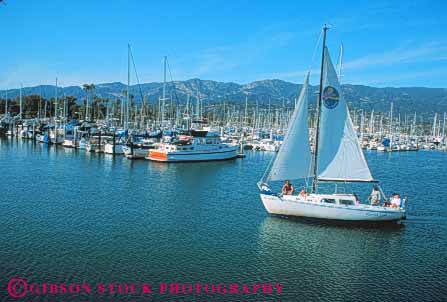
x=70, y=216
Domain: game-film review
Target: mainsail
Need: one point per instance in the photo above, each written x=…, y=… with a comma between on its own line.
x=340, y=157
x=294, y=159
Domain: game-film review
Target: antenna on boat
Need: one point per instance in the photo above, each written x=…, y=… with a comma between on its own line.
x=317, y=128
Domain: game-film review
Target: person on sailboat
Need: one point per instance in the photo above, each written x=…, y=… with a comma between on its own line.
x=395, y=201
x=357, y=199
x=374, y=197
x=287, y=188
x=303, y=193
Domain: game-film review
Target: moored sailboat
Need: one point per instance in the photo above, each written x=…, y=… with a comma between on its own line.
x=338, y=158
x=139, y=146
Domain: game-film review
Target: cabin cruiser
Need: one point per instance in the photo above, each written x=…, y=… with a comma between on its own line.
x=194, y=145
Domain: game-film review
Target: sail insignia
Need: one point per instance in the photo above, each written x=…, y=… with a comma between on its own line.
x=330, y=97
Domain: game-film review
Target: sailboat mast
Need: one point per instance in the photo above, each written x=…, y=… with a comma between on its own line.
x=40, y=103
x=6, y=103
x=21, y=87
x=317, y=127
x=55, y=104
x=126, y=119
x=443, y=126
x=245, y=114
x=164, y=92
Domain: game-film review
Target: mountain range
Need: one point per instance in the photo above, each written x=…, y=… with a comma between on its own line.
x=425, y=101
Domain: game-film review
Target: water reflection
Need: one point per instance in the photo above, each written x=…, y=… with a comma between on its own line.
x=113, y=217
x=333, y=261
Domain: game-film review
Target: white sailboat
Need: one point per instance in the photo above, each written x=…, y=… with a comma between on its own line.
x=338, y=157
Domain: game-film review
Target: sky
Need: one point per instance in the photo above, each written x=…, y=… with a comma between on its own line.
x=385, y=43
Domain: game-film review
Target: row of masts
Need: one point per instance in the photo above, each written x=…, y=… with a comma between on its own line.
x=167, y=112
x=225, y=114
x=250, y=116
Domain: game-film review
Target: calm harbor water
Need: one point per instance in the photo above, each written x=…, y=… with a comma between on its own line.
x=70, y=216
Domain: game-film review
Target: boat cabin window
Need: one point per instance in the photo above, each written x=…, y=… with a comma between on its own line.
x=346, y=202
x=328, y=200
x=209, y=141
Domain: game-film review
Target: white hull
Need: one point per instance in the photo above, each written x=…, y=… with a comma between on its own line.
x=227, y=153
x=58, y=140
x=23, y=134
x=40, y=138
x=137, y=152
x=94, y=148
x=270, y=148
x=307, y=208
x=83, y=144
x=69, y=143
x=108, y=149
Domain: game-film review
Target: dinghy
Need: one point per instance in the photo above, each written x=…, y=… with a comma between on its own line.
x=338, y=158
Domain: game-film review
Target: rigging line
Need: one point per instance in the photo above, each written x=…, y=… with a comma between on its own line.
x=169, y=69
x=267, y=173
x=314, y=54
x=172, y=81
x=136, y=74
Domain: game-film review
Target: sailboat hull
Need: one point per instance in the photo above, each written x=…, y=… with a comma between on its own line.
x=138, y=152
x=109, y=148
x=295, y=206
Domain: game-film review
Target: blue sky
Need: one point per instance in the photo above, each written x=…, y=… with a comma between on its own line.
x=386, y=43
